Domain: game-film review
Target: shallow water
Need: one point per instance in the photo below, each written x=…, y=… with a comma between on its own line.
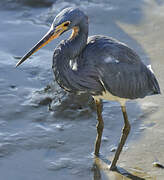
x=46, y=133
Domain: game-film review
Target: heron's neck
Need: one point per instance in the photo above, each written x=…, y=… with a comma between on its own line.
x=66, y=51
x=77, y=42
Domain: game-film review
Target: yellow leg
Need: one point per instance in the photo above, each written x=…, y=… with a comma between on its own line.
x=125, y=132
x=99, y=126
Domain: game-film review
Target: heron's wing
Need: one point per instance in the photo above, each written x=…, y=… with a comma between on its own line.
x=87, y=80
x=102, y=47
x=126, y=80
x=120, y=68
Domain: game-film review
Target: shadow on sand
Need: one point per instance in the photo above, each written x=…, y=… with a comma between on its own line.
x=101, y=165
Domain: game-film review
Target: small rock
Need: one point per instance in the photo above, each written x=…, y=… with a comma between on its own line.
x=158, y=164
x=113, y=149
x=105, y=139
x=45, y=101
x=13, y=86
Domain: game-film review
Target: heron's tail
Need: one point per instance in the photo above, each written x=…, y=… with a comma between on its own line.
x=153, y=81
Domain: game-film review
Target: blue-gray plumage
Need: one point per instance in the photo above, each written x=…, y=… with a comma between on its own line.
x=99, y=65
x=107, y=60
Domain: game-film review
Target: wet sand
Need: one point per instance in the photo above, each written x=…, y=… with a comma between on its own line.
x=48, y=134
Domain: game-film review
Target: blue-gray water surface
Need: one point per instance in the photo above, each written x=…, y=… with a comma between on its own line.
x=46, y=133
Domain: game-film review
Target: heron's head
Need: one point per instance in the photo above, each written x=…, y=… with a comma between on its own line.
x=69, y=18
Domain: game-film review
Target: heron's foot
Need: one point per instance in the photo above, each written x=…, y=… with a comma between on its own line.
x=113, y=168
x=96, y=153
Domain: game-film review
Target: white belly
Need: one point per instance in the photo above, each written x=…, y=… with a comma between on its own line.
x=108, y=96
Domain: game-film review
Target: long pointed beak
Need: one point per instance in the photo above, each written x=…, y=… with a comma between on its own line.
x=51, y=34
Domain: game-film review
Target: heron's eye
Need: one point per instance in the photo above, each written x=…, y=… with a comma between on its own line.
x=67, y=23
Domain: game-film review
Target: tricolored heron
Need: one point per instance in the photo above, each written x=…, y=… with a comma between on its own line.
x=98, y=65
